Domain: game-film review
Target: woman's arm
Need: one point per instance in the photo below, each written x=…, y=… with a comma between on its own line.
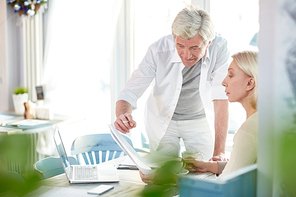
x=201, y=165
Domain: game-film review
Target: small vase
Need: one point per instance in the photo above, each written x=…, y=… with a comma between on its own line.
x=18, y=103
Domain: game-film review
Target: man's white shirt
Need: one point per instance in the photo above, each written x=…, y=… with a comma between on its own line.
x=163, y=66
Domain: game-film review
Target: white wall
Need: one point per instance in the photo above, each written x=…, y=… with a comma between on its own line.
x=3, y=58
x=10, y=55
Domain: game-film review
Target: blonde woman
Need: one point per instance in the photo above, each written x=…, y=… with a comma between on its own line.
x=240, y=86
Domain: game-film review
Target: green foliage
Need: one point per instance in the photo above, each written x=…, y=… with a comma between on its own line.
x=287, y=162
x=15, y=149
x=20, y=90
x=165, y=180
x=160, y=190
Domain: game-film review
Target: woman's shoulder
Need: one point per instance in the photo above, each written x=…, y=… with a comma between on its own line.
x=251, y=121
x=250, y=126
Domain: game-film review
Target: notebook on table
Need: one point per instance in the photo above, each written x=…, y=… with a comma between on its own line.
x=83, y=173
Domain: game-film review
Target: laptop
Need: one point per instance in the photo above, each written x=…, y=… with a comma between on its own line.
x=84, y=173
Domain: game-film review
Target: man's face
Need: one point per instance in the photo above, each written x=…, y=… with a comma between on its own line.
x=191, y=50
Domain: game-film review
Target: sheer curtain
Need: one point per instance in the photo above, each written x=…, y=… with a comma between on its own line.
x=78, y=49
x=77, y=64
x=238, y=22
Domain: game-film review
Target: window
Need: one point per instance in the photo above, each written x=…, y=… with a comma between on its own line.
x=78, y=53
x=238, y=22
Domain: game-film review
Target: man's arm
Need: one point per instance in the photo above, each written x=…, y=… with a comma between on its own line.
x=221, y=128
x=124, y=121
x=133, y=90
x=123, y=107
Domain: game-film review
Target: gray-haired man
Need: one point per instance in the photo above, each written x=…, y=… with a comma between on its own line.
x=187, y=100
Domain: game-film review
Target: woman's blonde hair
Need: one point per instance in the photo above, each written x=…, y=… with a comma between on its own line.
x=247, y=61
x=190, y=21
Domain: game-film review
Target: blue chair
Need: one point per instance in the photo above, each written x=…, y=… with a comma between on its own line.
x=97, y=148
x=241, y=182
x=51, y=166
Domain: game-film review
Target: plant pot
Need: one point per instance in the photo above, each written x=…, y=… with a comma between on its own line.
x=18, y=103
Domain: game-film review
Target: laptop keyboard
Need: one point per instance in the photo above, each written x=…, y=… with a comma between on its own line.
x=86, y=173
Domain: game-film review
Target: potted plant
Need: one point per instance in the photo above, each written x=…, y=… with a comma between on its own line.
x=19, y=97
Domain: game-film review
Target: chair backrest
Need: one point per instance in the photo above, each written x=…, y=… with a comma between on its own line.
x=51, y=166
x=96, y=148
x=241, y=182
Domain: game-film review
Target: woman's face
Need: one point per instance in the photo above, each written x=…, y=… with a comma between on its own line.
x=236, y=83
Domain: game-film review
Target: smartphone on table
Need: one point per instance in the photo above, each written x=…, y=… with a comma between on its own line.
x=100, y=189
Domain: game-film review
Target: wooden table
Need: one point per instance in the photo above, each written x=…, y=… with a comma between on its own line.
x=130, y=183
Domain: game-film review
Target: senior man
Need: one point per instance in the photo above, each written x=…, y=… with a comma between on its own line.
x=187, y=100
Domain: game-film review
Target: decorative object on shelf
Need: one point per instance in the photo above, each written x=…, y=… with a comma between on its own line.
x=19, y=97
x=39, y=92
x=27, y=7
x=33, y=111
x=40, y=95
x=44, y=113
x=29, y=110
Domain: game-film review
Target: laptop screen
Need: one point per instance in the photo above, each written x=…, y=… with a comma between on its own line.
x=61, y=149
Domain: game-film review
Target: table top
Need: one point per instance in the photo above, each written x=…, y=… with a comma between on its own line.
x=130, y=183
x=7, y=119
